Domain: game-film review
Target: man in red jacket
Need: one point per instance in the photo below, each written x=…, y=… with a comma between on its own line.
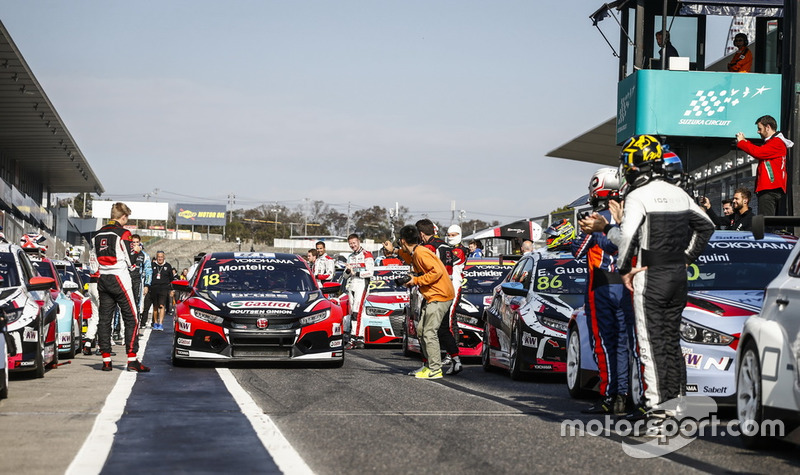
x=771, y=156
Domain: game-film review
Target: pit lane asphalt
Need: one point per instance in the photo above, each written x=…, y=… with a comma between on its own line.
x=368, y=416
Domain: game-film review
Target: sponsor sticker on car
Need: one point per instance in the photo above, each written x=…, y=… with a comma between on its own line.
x=185, y=341
x=261, y=304
x=30, y=335
x=184, y=326
x=529, y=340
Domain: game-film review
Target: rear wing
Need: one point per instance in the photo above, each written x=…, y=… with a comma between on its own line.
x=760, y=222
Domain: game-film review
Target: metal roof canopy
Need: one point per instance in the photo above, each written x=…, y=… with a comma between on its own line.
x=32, y=132
x=598, y=144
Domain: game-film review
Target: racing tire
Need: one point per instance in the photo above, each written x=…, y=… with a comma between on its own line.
x=574, y=370
x=749, y=409
x=514, y=368
x=178, y=362
x=406, y=350
x=38, y=363
x=486, y=350
x=4, y=380
x=74, y=343
x=335, y=363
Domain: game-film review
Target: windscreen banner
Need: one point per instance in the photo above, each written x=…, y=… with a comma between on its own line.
x=200, y=214
x=695, y=103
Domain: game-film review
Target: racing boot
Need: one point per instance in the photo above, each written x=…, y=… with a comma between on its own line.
x=135, y=365
x=107, y=362
x=604, y=406
x=455, y=366
x=620, y=403
x=87, y=347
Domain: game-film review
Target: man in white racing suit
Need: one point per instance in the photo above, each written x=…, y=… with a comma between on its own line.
x=324, y=266
x=359, y=269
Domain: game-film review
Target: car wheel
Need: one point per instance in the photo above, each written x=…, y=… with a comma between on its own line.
x=406, y=350
x=574, y=371
x=73, y=342
x=514, y=364
x=38, y=363
x=338, y=363
x=486, y=350
x=748, y=397
x=174, y=359
x=4, y=378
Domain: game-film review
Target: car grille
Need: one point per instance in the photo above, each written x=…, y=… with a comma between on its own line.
x=262, y=352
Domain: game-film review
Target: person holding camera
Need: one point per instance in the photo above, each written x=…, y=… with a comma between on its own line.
x=661, y=232
x=608, y=305
x=430, y=275
x=771, y=171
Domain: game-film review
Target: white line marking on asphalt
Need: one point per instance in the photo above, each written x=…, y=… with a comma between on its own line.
x=95, y=449
x=286, y=458
x=418, y=413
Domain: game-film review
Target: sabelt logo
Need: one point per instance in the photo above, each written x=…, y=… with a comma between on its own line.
x=261, y=304
x=187, y=214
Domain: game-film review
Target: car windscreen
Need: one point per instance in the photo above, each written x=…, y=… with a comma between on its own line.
x=738, y=265
x=382, y=279
x=43, y=269
x=8, y=272
x=482, y=279
x=560, y=276
x=69, y=275
x=276, y=275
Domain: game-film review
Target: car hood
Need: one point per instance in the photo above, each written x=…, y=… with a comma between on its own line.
x=233, y=304
x=388, y=298
x=723, y=310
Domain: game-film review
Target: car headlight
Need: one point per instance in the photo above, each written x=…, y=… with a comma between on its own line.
x=207, y=317
x=694, y=333
x=12, y=315
x=315, y=318
x=553, y=323
x=374, y=311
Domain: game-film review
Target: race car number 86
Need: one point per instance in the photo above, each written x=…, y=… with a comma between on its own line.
x=544, y=282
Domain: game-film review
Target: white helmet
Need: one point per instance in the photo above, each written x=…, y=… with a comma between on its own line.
x=455, y=239
x=604, y=183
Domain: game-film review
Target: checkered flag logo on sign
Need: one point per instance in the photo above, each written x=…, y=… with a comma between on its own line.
x=708, y=103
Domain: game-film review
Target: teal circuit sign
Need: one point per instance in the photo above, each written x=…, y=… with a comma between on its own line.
x=695, y=103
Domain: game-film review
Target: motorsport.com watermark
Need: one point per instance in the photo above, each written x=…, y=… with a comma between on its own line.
x=671, y=427
x=691, y=417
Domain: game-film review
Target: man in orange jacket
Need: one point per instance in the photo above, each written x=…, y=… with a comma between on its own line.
x=436, y=288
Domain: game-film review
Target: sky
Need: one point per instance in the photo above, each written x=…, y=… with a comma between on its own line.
x=355, y=103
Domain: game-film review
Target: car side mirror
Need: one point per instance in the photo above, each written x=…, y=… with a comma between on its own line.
x=41, y=283
x=70, y=286
x=514, y=288
x=331, y=288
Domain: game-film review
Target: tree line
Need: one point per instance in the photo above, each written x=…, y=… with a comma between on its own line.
x=265, y=223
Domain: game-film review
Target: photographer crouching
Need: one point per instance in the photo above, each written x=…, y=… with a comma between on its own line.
x=437, y=291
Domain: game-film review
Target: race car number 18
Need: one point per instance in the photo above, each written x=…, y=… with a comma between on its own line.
x=212, y=279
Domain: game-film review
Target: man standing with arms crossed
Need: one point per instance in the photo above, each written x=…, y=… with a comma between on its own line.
x=113, y=248
x=161, y=289
x=437, y=291
x=666, y=230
